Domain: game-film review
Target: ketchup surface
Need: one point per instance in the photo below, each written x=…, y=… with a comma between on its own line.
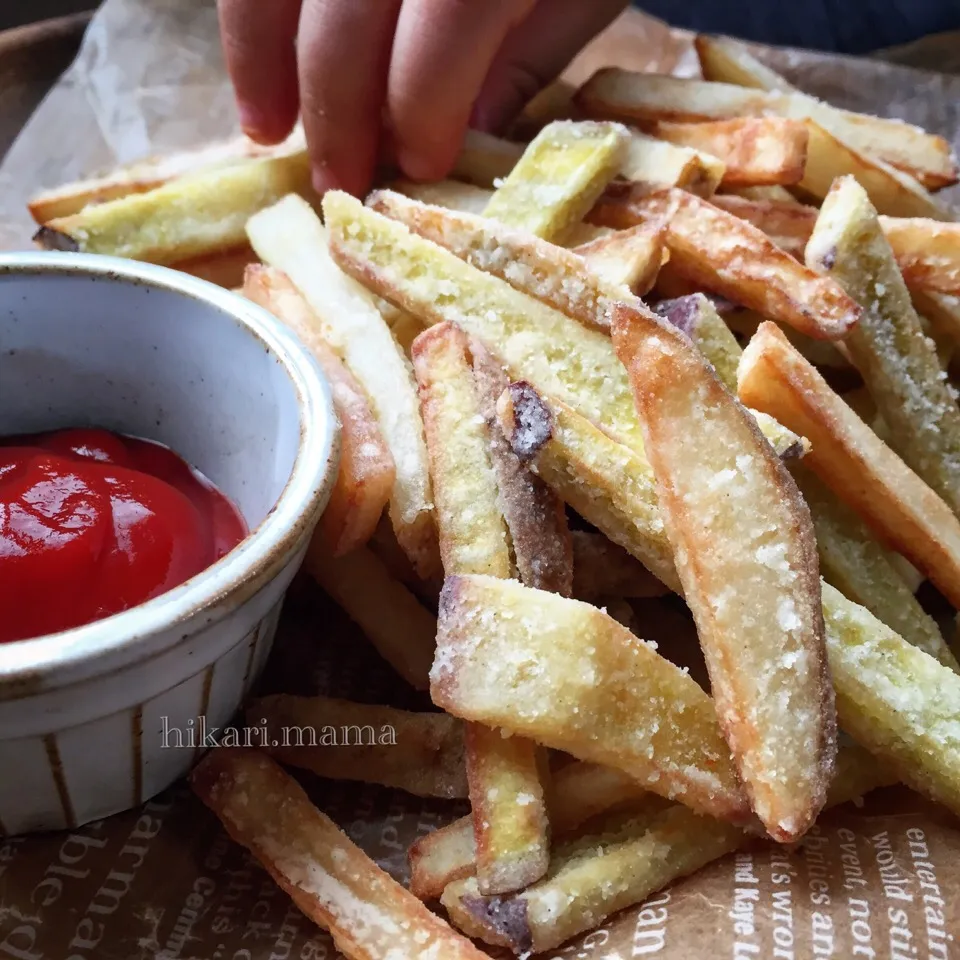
x=93, y=523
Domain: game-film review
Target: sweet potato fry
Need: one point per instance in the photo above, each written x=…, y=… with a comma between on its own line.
x=852, y=561
x=151, y=173
x=400, y=628
x=290, y=237
x=193, y=217
x=579, y=792
x=894, y=699
x=370, y=916
x=574, y=161
x=746, y=556
x=421, y=753
x=620, y=862
x=485, y=159
x=629, y=258
x=648, y=98
x=655, y=161
x=754, y=150
x=922, y=155
x=366, y=474
x=506, y=795
x=733, y=258
x=561, y=672
x=602, y=570
x=542, y=549
x=848, y=456
x=898, y=361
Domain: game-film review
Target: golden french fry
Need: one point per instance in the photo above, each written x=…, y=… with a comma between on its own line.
x=628, y=258
x=191, y=217
x=746, y=555
x=485, y=159
x=370, y=916
x=647, y=98
x=602, y=570
x=775, y=193
x=566, y=675
x=908, y=148
x=853, y=562
x=551, y=103
x=573, y=162
x=848, y=456
x=786, y=222
x=224, y=269
x=290, y=237
x=894, y=699
x=400, y=628
x=927, y=252
x=620, y=862
x=421, y=753
x=942, y=310
x=898, y=361
x=754, y=150
x=451, y=194
x=509, y=815
x=535, y=515
x=151, y=173
x=731, y=257
x=366, y=473
x=655, y=161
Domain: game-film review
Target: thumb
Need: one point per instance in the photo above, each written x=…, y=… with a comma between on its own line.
x=535, y=53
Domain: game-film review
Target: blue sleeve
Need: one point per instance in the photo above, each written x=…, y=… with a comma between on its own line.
x=841, y=26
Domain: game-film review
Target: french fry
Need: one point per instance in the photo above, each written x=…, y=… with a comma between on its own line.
x=579, y=792
x=898, y=361
x=553, y=102
x=421, y=753
x=561, y=672
x=370, y=916
x=224, y=269
x=388, y=551
x=574, y=161
x=606, y=483
x=626, y=258
x=754, y=150
x=619, y=863
x=561, y=356
x=848, y=456
x=942, y=310
x=894, y=699
x=602, y=570
x=151, y=173
x=648, y=98
x=924, y=156
x=535, y=516
x=786, y=222
x=506, y=795
x=192, y=217
x=697, y=317
x=775, y=193
x=485, y=159
x=733, y=258
x=398, y=626
x=290, y=237
x=366, y=472
x=555, y=276
x=756, y=604
x=852, y=561
x=927, y=252
x=655, y=161
x=452, y=194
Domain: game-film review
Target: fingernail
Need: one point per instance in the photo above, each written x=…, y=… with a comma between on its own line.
x=416, y=166
x=323, y=179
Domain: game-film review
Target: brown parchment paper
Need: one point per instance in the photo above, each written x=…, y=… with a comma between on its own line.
x=163, y=882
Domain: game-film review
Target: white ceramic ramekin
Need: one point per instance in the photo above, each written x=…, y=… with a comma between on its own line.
x=93, y=341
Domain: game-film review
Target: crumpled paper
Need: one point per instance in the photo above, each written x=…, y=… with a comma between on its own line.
x=164, y=882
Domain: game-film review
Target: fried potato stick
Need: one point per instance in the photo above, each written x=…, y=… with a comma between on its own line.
x=747, y=558
x=366, y=472
x=849, y=457
x=370, y=916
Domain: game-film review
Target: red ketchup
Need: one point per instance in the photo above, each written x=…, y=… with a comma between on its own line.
x=92, y=523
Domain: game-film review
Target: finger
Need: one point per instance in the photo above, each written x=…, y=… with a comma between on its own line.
x=343, y=51
x=535, y=53
x=259, y=45
x=441, y=54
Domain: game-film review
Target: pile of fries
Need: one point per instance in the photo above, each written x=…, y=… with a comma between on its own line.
x=533, y=459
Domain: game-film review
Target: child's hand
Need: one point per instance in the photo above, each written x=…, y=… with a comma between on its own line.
x=400, y=76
